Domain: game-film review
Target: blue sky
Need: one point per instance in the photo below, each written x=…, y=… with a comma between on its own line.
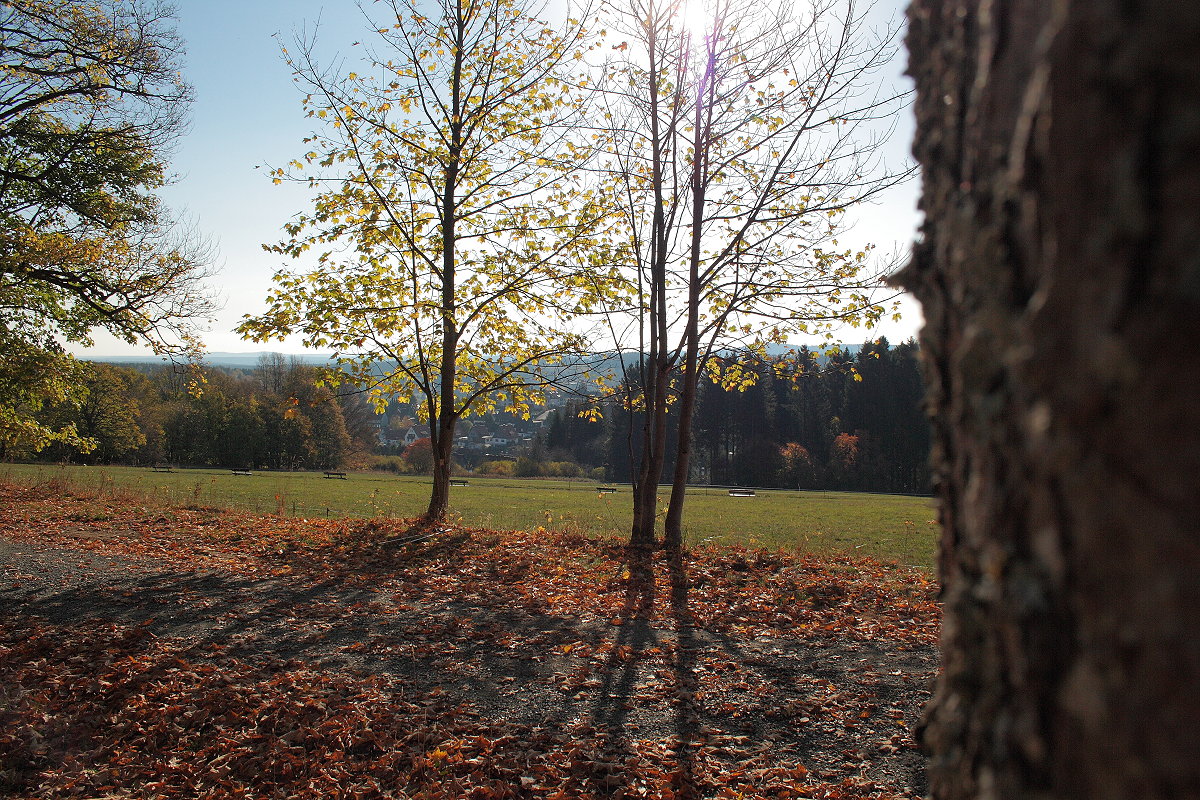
x=247, y=114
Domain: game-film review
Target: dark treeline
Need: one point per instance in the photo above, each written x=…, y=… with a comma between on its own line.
x=275, y=416
x=819, y=427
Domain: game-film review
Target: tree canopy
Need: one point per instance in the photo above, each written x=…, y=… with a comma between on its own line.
x=90, y=100
x=738, y=134
x=448, y=226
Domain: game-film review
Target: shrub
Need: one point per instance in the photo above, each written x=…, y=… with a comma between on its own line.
x=526, y=467
x=499, y=469
x=564, y=469
x=389, y=464
x=419, y=456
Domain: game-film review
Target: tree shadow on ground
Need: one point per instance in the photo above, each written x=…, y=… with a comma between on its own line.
x=635, y=636
x=687, y=715
x=494, y=652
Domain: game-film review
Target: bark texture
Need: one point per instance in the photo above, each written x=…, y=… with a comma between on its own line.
x=1059, y=270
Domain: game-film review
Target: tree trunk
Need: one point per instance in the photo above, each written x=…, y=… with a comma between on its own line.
x=656, y=370
x=1059, y=271
x=645, y=488
x=673, y=524
x=441, y=425
x=443, y=459
x=673, y=527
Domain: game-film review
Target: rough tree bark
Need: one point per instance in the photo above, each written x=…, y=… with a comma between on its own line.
x=1059, y=271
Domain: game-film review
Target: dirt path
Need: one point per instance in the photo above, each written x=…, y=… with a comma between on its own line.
x=780, y=678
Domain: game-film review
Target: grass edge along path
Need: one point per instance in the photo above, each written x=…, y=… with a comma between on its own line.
x=890, y=528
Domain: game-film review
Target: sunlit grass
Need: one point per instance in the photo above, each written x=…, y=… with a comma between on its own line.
x=889, y=527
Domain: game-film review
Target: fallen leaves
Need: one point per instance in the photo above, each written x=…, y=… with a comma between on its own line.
x=354, y=659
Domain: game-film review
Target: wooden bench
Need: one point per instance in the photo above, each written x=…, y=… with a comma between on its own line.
x=341, y=475
x=241, y=472
x=741, y=493
x=605, y=490
x=458, y=481
x=158, y=468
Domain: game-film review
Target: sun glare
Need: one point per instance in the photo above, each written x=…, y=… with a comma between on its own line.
x=694, y=16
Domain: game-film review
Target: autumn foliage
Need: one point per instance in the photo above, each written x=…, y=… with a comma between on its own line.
x=419, y=455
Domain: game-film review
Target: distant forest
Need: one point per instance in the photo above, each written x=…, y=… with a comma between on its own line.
x=854, y=422
x=273, y=416
x=851, y=422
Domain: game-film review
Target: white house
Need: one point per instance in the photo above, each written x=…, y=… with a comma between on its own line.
x=414, y=433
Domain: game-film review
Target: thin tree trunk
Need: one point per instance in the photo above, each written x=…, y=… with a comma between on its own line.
x=442, y=429
x=656, y=375
x=645, y=486
x=673, y=527
x=641, y=542
x=1060, y=280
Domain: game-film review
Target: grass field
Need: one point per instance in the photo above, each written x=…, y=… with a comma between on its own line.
x=888, y=527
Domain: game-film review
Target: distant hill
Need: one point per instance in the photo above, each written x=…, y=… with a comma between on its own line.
x=607, y=361
x=232, y=360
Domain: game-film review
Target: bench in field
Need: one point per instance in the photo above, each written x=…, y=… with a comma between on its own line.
x=162, y=468
x=605, y=490
x=341, y=475
x=741, y=493
x=241, y=472
x=458, y=481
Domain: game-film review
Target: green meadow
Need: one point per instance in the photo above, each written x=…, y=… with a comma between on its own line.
x=888, y=527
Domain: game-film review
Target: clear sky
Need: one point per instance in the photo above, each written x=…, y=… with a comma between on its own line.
x=247, y=114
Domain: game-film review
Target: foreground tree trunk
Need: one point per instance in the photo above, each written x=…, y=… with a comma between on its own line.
x=1060, y=276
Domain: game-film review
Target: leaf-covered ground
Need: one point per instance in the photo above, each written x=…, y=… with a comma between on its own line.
x=195, y=654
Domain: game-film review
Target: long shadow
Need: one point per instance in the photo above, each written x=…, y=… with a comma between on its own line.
x=219, y=608
x=833, y=662
x=211, y=607
x=432, y=640
x=687, y=716
x=621, y=667
x=291, y=617
x=635, y=635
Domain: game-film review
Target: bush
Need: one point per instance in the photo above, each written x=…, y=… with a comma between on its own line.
x=389, y=464
x=563, y=469
x=419, y=456
x=526, y=467
x=498, y=469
